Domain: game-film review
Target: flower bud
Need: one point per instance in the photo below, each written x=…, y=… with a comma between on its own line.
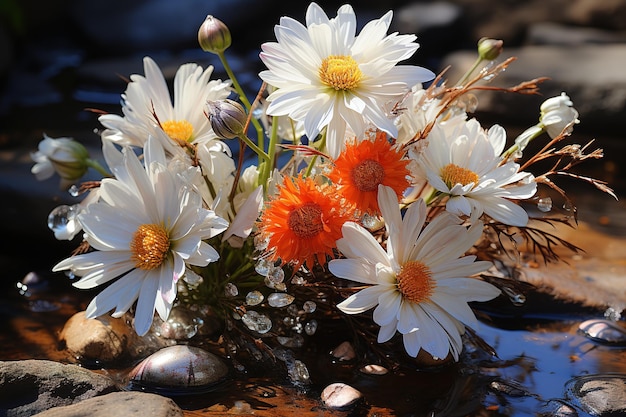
x=214, y=35
x=489, y=49
x=558, y=113
x=227, y=118
x=64, y=156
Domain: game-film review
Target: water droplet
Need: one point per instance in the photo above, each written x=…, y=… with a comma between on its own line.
x=298, y=372
x=311, y=327
x=262, y=267
x=276, y=275
x=257, y=322
x=254, y=298
x=181, y=324
x=468, y=102
x=309, y=306
x=61, y=219
x=74, y=190
x=544, y=204
x=231, y=290
x=279, y=299
x=298, y=280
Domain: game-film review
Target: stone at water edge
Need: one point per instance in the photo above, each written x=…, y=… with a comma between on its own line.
x=599, y=395
x=30, y=386
x=127, y=404
x=179, y=370
x=340, y=396
x=103, y=339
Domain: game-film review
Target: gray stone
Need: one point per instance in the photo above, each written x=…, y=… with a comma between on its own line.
x=31, y=386
x=127, y=404
x=599, y=395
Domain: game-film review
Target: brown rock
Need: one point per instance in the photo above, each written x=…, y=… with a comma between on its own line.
x=103, y=339
x=127, y=404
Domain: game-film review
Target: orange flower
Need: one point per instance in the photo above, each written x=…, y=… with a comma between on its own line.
x=363, y=166
x=303, y=222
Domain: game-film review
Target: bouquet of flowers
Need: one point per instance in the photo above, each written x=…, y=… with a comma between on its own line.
x=371, y=195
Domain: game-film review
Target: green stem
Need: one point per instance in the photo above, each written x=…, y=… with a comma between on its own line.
x=469, y=72
x=243, y=98
x=260, y=152
x=96, y=165
x=312, y=163
x=432, y=196
x=271, y=149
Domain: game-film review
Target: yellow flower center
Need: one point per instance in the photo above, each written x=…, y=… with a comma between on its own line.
x=453, y=174
x=367, y=175
x=150, y=246
x=178, y=130
x=415, y=282
x=340, y=72
x=306, y=221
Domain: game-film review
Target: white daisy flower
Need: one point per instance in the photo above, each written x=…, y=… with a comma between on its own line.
x=467, y=165
x=420, y=285
x=147, y=228
x=149, y=111
x=146, y=104
x=326, y=76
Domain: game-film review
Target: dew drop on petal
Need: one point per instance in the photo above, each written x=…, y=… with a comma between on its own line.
x=60, y=217
x=544, y=204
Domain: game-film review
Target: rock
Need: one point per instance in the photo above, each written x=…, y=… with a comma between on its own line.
x=127, y=404
x=599, y=395
x=31, y=386
x=340, y=396
x=102, y=339
x=373, y=369
x=344, y=352
x=179, y=369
